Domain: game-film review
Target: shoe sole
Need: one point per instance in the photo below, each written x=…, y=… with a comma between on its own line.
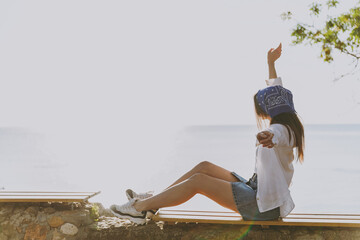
x=136, y=219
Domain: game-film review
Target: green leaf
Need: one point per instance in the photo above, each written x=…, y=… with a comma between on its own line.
x=332, y=3
x=286, y=15
x=315, y=9
x=340, y=32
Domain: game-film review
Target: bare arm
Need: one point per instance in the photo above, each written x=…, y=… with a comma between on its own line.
x=272, y=71
x=273, y=55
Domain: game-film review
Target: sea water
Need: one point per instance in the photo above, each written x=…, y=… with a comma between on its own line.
x=327, y=181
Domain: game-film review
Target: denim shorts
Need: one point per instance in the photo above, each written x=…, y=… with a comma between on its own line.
x=244, y=193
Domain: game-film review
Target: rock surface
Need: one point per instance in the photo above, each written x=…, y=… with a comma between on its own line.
x=73, y=221
x=111, y=228
x=45, y=221
x=55, y=221
x=69, y=229
x=35, y=231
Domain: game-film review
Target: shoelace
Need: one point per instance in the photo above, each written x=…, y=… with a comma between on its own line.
x=143, y=195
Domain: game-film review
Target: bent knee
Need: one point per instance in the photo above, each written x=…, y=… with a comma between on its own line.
x=198, y=179
x=198, y=176
x=204, y=166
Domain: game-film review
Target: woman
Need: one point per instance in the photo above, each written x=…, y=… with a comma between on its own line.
x=266, y=195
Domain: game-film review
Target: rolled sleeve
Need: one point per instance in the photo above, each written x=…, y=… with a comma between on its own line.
x=274, y=81
x=281, y=135
x=276, y=135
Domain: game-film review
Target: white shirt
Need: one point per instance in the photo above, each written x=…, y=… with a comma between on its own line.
x=274, y=168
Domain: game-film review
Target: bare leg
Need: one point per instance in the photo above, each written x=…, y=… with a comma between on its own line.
x=210, y=169
x=216, y=189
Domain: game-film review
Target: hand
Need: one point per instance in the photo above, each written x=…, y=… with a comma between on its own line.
x=265, y=138
x=273, y=55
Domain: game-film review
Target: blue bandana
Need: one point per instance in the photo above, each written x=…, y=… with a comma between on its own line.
x=275, y=100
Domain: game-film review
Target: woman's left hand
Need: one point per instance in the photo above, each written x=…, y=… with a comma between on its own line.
x=265, y=138
x=273, y=55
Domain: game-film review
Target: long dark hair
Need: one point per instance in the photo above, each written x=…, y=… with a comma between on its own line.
x=290, y=121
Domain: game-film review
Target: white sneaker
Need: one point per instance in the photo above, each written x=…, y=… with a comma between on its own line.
x=128, y=211
x=131, y=194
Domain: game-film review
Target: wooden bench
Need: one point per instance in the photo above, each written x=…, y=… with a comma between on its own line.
x=45, y=196
x=293, y=219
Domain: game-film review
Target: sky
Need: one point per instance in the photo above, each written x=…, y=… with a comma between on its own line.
x=117, y=80
x=131, y=70
x=168, y=63
x=137, y=68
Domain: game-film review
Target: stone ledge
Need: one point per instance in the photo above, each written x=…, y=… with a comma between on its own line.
x=46, y=221
x=70, y=221
x=201, y=231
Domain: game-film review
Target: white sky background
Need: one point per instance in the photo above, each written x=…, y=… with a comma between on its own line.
x=99, y=63
x=122, y=76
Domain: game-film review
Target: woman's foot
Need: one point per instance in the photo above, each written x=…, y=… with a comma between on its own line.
x=131, y=194
x=128, y=211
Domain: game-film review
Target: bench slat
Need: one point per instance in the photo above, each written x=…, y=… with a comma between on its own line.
x=164, y=210
x=185, y=215
x=43, y=196
x=293, y=219
x=41, y=192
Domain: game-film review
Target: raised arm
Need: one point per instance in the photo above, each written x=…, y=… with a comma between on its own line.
x=272, y=56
